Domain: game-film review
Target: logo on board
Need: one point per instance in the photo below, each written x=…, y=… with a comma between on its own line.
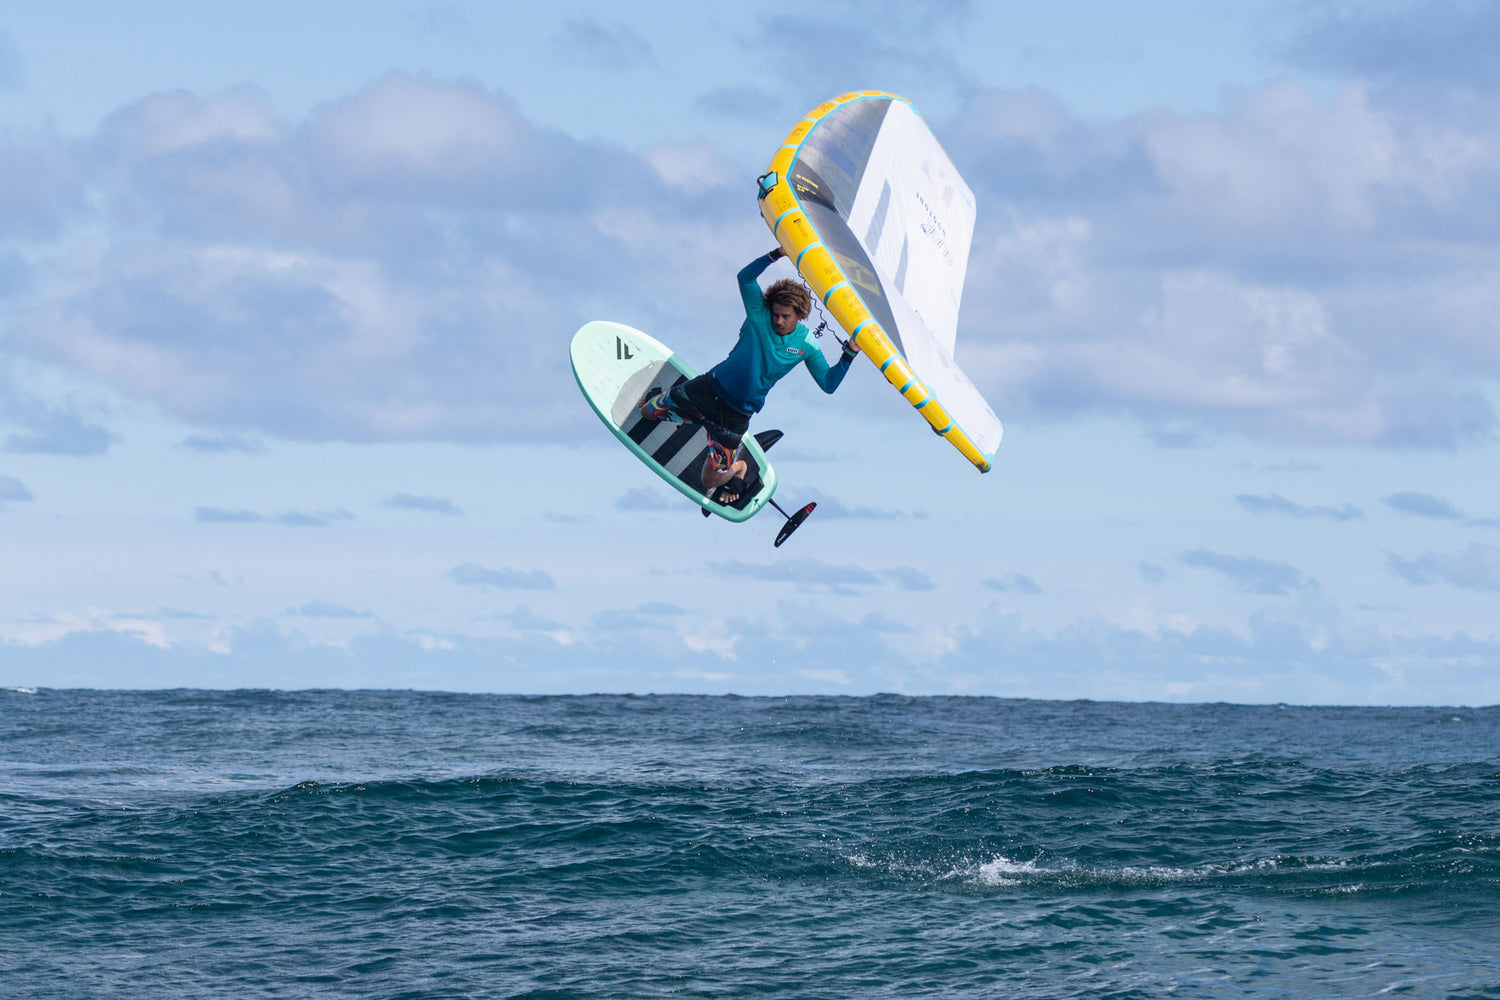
x=622, y=350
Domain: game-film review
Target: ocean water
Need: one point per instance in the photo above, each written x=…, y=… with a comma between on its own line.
x=399, y=844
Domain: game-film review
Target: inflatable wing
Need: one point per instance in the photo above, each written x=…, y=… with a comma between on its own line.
x=878, y=221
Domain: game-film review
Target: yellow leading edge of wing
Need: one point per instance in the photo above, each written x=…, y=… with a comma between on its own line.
x=783, y=213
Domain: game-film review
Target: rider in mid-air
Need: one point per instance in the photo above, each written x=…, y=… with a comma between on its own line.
x=772, y=341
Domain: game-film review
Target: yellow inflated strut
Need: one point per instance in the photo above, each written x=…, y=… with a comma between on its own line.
x=782, y=212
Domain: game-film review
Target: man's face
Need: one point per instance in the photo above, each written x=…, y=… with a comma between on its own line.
x=783, y=319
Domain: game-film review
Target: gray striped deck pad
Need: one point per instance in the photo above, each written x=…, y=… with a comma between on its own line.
x=679, y=448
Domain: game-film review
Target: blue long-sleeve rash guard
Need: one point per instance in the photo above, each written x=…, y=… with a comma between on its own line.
x=761, y=357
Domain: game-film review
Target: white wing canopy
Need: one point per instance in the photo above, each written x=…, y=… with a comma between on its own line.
x=878, y=220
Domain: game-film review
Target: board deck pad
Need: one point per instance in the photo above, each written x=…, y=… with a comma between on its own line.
x=617, y=367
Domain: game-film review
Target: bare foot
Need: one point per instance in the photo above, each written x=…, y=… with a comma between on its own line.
x=713, y=479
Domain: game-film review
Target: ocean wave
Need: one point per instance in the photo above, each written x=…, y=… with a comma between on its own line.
x=196, y=843
x=1005, y=871
x=1275, y=875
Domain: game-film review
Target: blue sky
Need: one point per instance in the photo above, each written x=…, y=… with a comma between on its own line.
x=286, y=292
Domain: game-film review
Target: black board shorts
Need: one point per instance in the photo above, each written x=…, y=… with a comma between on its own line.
x=697, y=400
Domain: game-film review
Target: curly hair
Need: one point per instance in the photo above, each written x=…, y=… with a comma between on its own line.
x=787, y=292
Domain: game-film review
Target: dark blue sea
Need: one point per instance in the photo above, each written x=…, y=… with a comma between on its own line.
x=400, y=844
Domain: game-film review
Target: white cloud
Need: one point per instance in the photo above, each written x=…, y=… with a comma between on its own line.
x=1274, y=660
x=416, y=138
x=1279, y=160
x=1285, y=268
x=408, y=262
x=704, y=639
x=693, y=167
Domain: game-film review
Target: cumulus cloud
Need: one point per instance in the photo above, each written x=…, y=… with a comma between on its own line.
x=403, y=264
x=1277, y=504
x=1248, y=573
x=1477, y=567
x=1270, y=661
x=691, y=167
x=406, y=262
x=1233, y=271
